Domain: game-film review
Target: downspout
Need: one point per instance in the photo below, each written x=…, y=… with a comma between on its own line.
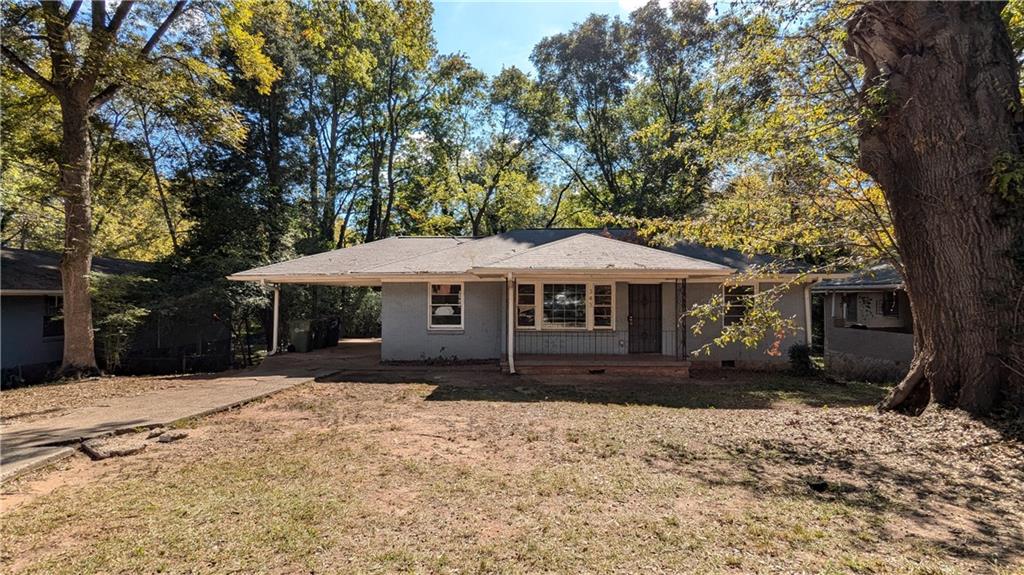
x=277, y=309
x=511, y=345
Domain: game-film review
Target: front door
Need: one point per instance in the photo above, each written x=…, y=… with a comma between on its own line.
x=644, y=318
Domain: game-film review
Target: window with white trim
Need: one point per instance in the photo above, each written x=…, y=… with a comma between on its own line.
x=445, y=306
x=603, y=298
x=526, y=305
x=565, y=306
x=735, y=298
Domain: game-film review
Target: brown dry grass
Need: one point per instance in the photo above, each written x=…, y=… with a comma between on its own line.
x=24, y=404
x=451, y=475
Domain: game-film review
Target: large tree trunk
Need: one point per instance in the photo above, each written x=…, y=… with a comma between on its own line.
x=75, y=160
x=940, y=93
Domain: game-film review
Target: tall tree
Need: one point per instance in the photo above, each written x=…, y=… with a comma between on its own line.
x=942, y=136
x=400, y=40
x=82, y=76
x=634, y=92
x=485, y=136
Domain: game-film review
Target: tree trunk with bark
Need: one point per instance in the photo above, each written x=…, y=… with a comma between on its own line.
x=942, y=111
x=74, y=88
x=76, y=263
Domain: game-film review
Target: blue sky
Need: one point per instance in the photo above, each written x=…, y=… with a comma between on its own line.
x=495, y=34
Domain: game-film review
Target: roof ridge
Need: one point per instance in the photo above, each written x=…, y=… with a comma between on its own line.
x=603, y=237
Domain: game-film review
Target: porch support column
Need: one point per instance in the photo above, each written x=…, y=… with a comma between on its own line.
x=807, y=311
x=277, y=310
x=511, y=345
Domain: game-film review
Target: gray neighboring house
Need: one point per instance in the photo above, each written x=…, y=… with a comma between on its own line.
x=869, y=330
x=31, y=297
x=547, y=298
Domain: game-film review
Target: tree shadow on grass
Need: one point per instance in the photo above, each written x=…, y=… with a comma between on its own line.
x=706, y=390
x=756, y=391
x=955, y=499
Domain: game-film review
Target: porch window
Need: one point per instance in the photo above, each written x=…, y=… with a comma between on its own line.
x=565, y=306
x=53, y=324
x=602, y=306
x=890, y=304
x=526, y=305
x=445, y=306
x=736, y=305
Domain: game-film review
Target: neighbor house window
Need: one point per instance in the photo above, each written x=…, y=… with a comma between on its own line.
x=445, y=306
x=736, y=303
x=890, y=304
x=53, y=323
x=602, y=306
x=526, y=305
x=565, y=305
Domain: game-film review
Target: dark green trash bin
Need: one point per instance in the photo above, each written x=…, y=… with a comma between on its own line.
x=300, y=334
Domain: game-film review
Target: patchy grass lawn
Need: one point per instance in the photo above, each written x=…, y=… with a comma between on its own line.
x=516, y=475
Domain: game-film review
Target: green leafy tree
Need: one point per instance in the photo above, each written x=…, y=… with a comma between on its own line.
x=83, y=59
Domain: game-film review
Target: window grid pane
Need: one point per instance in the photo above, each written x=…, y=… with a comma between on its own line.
x=565, y=305
x=602, y=306
x=526, y=305
x=446, y=305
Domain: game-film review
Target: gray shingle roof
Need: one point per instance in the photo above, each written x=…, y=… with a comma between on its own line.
x=594, y=252
x=358, y=258
x=736, y=259
x=35, y=270
x=583, y=249
x=465, y=256
x=882, y=276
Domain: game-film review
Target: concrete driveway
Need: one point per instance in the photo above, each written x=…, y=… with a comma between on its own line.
x=27, y=446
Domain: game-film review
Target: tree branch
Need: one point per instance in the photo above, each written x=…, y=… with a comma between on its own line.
x=119, y=16
x=99, y=15
x=28, y=70
x=107, y=93
x=179, y=7
x=73, y=11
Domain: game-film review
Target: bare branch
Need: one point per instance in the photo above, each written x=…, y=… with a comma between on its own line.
x=179, y=7
x=73, y=11
x=119, y=16
x=99, y=16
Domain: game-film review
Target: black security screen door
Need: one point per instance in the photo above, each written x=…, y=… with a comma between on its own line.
x=645, y=318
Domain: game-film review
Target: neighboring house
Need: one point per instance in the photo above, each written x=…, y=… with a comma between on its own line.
x=31, y=297
x=552, y=298
x=868, y=326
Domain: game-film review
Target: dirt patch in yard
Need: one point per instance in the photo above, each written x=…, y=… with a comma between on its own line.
x=729, y=472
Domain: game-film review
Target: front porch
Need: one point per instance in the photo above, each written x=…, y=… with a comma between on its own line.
x=616, y=364
x=556, y=328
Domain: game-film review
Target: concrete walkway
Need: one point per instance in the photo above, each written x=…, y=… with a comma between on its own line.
x=31, y=445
